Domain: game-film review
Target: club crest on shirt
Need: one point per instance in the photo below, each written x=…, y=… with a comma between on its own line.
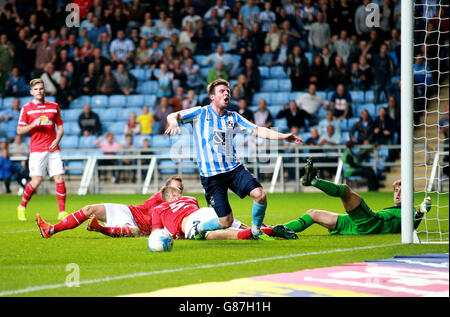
x=45, y=120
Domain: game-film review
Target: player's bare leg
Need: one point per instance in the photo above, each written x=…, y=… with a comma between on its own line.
x=258, y=211
x=28, y=192
x=61, y=196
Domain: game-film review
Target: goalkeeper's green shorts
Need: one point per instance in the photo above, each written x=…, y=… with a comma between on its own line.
x=361, y=220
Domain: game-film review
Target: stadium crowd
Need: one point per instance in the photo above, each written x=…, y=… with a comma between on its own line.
x=324, y=47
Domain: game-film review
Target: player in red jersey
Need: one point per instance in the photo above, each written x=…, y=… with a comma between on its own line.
x=181, y=215
x=38, y=118
x=120, y=220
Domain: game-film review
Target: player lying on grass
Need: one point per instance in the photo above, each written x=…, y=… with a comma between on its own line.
x=181, y=216
x=360, y=219
x=120, y=220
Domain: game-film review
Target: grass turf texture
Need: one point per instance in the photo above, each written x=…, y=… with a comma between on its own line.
x=28, y=261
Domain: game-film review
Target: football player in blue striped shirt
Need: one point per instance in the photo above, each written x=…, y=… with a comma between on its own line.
x=214, y=129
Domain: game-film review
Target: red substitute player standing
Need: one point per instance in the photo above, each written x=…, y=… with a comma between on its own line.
x=39, y=117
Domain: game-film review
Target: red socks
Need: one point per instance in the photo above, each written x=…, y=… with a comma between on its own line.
x=26, y=196
x=61, y=196
x=124, y=231
x=70, y=222
x=246, y=234
x=268, y=231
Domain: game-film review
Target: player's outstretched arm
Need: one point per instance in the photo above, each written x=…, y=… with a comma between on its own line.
x=266, y=133
x=172, y=124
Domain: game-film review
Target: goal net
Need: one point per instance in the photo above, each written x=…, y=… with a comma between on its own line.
x=430, y=117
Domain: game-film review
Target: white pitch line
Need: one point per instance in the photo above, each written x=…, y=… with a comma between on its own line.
x=18, y=231
x=206, y=266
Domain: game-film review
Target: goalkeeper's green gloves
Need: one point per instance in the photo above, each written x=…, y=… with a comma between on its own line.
x=425, y=206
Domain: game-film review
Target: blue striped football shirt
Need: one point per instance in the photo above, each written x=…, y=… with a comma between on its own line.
x=214, y=138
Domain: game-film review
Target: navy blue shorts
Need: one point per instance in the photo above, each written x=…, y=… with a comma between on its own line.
x=239, y=180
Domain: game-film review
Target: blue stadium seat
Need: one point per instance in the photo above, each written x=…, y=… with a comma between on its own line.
x=69, y=142
x=383, y=153
x=8, y=101
x=264, y=71
x=368, y=96
x=80, y=102
x=117, y=101
x=125, y=112
x=295, y=95
x=71, y=128
x=309, y=56
x=99, y=101
x=285, y=85
x=345, y=137
x=75, y=167
x=87, y=142
x=261, y=95
x=160, y=141
x=109, y=114
x=200, y=60
x=70, y=114
x=188, y=167
x=279, y=98
x=357, y=96
x=269, y=85
x=369, y=107
x=137, y=140
x=135, y=101
x=351, y=122
x=1, y=103
x=226, y=46
x=381, y=105
x=25, y=100
x=278, y=72
x=205, y=71
x=167, y=167
x=140, y=74
x=344, y=125
x=147, y=87
x=115, y=127
x=274, y=110
x=321, y=113
x=281, y=125
x=150, y=100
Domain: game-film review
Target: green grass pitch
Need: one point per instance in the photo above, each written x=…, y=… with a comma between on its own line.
x=32, y=266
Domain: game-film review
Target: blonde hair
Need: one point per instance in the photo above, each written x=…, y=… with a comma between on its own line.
x=397, y=183
x=166, y=190
x=211, y=86
x=175, y=178
x=36, y=81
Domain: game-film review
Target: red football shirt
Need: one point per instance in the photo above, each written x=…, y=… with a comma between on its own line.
x=41, y=136
x=171, y=214
x=142, y=213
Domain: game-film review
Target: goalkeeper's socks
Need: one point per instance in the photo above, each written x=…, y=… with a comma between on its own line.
x=329, y=188
x=258, y=213
x=69, y=222
x=209, y=225
x=300, y=224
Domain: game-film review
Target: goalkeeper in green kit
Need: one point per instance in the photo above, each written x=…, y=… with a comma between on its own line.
x=360, y=219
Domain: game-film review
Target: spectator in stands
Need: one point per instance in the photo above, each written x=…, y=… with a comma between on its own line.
x=96, y=30
x=247, y=47
x=338, y=73
x=273, y=38
x=9, y=119
x=319, y=34
x=99, y=61
x=443, y=128
x=45, y=53
x=164, y=78
x=262, y=116
x=125, y=80
x=194, y=78
x=148, y=31
x=217, y=72
x=203, y=39
x=108, y=144
x=23, y=53
x=132, y=127
x=383, y=68
x=364, y=129
x=89, y=122
x=318, y=73
x=311, y=103
x=142, y=57
x=253, y=76
x=393, y=111
x=267, y=58
x=249, y=13
x=283, y=50
x=313, y=139
x=244, y=90
x=341, y=103
x=294, y=115
x=266, y=18
x=231, y=64
x=16, y=85
x=185, y=40
x=6, y=169
x=146, y=120
x=384, y=127
x=297, y=68
x=353, y=167
x=191, y=18
x=228, y=25
x=244, y=111
x=342, y=46
x=106, y=83
x=190, y=100
x=365, y=73
x=6, y=53
x=3, y=81
x=122, y=49
x=18, y=147
x=177, y=99
x=162, y=109
x=130, y=150
x=329, y=119
x=361, y=14
x=52, y=79
x=65, y=93
x=331, y=137
x=89, y=81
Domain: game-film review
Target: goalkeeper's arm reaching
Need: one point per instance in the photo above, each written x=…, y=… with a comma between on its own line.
x=424, y=208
